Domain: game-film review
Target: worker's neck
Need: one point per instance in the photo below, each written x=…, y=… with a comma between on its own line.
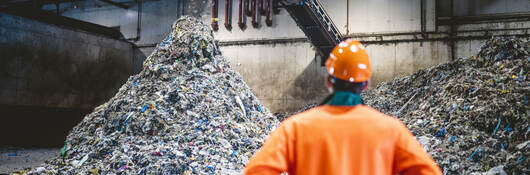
x=345, y=98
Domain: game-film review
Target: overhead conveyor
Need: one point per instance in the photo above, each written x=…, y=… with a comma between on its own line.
x=316, y=24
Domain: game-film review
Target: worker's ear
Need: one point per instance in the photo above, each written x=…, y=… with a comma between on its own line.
x=366, y=84
x=329, y=85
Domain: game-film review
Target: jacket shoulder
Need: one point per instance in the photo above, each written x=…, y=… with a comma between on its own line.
x=306, y=113
x=387, y=118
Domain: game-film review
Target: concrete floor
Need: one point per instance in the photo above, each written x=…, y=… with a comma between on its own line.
x=15, y=159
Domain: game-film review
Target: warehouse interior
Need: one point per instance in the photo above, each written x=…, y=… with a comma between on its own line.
x=62, y=62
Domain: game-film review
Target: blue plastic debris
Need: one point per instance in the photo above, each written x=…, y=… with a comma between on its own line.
x=452, y=138
x=125, y=122
x=442, y=75
x=500, y=56
x=168, y=41
x=12, y=154
x=440, y=133
x=479, y=151
x=521, y=159
x=497, y=127
x=211, y=168
x=144, y=108
x=473, y=154
x=426, y=123
x=507, y=128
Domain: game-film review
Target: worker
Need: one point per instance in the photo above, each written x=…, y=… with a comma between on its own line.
x=342, y=136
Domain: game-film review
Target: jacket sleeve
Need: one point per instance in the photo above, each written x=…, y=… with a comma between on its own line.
x=410, y=157
x=274, y=156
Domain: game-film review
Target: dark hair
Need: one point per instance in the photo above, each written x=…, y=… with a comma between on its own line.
x=342, y=85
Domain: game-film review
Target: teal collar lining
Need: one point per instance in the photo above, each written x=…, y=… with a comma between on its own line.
x=343, y=98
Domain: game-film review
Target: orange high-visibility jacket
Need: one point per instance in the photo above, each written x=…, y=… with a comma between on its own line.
x=341, y=140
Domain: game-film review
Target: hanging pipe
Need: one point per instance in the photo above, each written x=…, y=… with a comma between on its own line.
x=215, y=26
x=275, y=8
x=268, y=21
x=241, y=21
x=180, y=8
x=228, y=14
x=254, y=14
x=452, y=33
x=248, y=11
x=261, y=8
x=423, y=21
x=347, y=17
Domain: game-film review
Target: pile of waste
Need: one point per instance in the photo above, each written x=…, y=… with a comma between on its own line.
x=283, y=115
x=186, y=112
x=472, y=114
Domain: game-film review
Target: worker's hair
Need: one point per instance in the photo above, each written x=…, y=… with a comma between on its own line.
x=342, y=85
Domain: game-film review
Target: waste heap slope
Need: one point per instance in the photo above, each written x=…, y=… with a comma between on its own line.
x=471, y=114
x=186, y=112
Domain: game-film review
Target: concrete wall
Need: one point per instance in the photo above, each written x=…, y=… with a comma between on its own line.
x=465, y=48
x=377, y=16
x=51, y=76
x=484, y=7
x=50, y=66
x=285, y=76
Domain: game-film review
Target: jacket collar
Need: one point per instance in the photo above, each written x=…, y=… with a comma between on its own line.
x=343, y=98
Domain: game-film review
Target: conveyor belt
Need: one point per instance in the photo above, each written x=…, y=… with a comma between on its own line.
x=312, y=18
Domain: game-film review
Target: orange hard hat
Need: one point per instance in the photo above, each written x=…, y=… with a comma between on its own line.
x=349, y=62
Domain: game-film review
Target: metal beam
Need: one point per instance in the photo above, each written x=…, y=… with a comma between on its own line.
x=30, y=2
x=117, y=4
x=484, y=18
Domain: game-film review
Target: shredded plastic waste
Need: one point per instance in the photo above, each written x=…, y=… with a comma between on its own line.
x=471, y=114
x=186, y=112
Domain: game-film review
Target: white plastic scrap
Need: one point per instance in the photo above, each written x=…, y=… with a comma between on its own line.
x=498, y=170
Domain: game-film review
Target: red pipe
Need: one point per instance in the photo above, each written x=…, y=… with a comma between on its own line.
x=241, y=15
x=228, y=14
x=247, y=8
x=268, y=21
x=215, y=26
x=275, y=8
x=254, y=14
x=261, y=9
